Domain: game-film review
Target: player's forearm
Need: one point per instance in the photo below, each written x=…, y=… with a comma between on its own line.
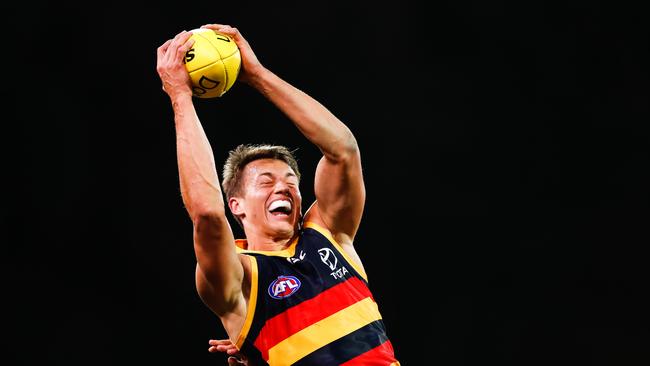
x=315, y=121
x=197, y=172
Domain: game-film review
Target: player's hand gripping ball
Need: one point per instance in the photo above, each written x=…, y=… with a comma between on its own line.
x=213, y=63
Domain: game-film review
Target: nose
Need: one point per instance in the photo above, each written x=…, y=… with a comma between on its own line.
x=282, y=188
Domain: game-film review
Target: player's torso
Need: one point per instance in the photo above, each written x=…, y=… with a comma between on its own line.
x=311, y=305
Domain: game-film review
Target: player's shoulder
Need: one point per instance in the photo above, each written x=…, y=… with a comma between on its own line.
x=313, y=215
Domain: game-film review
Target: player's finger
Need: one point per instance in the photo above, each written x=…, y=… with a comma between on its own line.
x=225, y=348
x=216, y=342
x=178, y=40
x=226, y=29
x=214, y=26
x=222, y=28
x=160, y=57
x=185, y=47
x=163, y=48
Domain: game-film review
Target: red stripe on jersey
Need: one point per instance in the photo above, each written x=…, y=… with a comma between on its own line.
x=310, y=311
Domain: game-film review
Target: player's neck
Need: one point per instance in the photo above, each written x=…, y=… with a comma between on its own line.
x=259, y=242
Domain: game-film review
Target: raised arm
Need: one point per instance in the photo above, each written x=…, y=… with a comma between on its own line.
x=339, y=188
x=219, y=271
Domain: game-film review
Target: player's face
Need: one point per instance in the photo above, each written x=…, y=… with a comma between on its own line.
x=271, y=197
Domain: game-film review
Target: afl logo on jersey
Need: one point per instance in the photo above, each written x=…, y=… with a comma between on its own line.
x=284, y=286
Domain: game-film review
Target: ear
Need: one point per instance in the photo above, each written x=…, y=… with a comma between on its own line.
x=236, y=206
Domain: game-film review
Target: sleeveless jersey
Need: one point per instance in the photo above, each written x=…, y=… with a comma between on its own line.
x=310, y=305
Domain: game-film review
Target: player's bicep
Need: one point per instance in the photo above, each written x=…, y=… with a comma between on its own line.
x=219, y=263
x=340, y=193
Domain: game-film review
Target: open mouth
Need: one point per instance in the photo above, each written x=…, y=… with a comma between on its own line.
x=280, y=208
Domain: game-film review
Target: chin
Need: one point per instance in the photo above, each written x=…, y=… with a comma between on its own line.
x=286, y=227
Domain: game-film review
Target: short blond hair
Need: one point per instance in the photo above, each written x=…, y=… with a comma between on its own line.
x=243, y=154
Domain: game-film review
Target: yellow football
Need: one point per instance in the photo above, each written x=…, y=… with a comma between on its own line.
x=213, y=63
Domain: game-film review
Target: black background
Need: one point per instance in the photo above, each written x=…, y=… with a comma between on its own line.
x=505, y=155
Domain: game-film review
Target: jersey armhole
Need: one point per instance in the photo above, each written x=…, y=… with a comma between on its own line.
x=252, y=302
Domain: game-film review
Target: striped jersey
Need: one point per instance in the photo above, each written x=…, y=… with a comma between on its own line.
x=310, y=305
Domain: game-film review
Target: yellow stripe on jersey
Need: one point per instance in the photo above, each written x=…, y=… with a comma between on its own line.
x=290, y=251
x=324, y=332
x=252, y=301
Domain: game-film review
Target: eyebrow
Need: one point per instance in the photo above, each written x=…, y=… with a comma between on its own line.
x=270, y=175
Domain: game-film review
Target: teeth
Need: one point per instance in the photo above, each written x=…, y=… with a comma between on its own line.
x=280, y=203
